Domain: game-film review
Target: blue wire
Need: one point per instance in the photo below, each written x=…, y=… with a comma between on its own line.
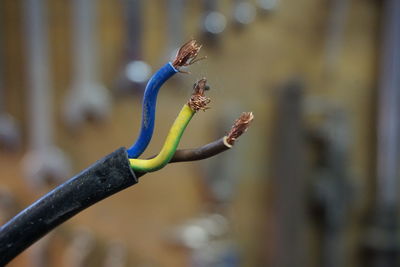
x=149, y=109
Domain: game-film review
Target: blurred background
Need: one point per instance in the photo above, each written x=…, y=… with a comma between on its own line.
x=312, y=183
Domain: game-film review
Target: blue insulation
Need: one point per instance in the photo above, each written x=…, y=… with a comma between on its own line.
x=149, y=109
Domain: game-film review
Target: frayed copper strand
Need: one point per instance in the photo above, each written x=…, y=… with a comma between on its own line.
x=187, y=55
x=239, y=127
x=198, y=101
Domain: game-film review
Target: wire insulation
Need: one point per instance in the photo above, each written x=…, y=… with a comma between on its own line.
x=239, y=127
x=186, y=56
x=198, y=101
x=149, y=109
x=203, y=152
x=170, y=145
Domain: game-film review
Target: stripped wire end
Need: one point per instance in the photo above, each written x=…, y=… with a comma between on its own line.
x=239, y=127
x=198, y=101
x=187, y=55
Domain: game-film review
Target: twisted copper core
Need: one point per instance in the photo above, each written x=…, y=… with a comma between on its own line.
x=239, y=127
x=198, y=101
x=187, y=54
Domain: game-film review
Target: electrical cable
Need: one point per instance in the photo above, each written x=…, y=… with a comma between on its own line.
x=197, y=102
x=186, y=56
x=113, y=173
x=104, y=178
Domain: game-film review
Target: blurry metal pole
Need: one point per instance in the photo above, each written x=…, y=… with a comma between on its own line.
x=175, y=22
x=335, y=30
x=288, y=179
x=88, y=97
x=133, y=12
x=40, y=93
x=332, y=190
x=44, y=162
x=382, y=243
x=135, y=72
x=10, y=137
x=389, y=108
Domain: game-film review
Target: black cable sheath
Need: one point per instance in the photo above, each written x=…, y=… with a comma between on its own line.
x=104, y=178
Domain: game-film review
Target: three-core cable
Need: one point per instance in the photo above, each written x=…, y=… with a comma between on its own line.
x=104, y=178
x=116, y=171
x=186, y=56
x=197, y=102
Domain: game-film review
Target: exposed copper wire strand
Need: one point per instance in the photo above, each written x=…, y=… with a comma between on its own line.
x=239, y=127
x=198, y=101
x=187, y=55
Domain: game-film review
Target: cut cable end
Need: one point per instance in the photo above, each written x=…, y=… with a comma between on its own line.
x=187, y=54
x=198, y=101
x=239, y=127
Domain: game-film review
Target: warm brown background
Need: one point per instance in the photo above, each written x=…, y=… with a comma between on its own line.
x=243, y=73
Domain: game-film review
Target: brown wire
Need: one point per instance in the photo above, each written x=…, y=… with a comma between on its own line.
x=207, y=151
x=203, y=152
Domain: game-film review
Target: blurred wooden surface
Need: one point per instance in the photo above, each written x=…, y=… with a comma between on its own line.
x=243, y=72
